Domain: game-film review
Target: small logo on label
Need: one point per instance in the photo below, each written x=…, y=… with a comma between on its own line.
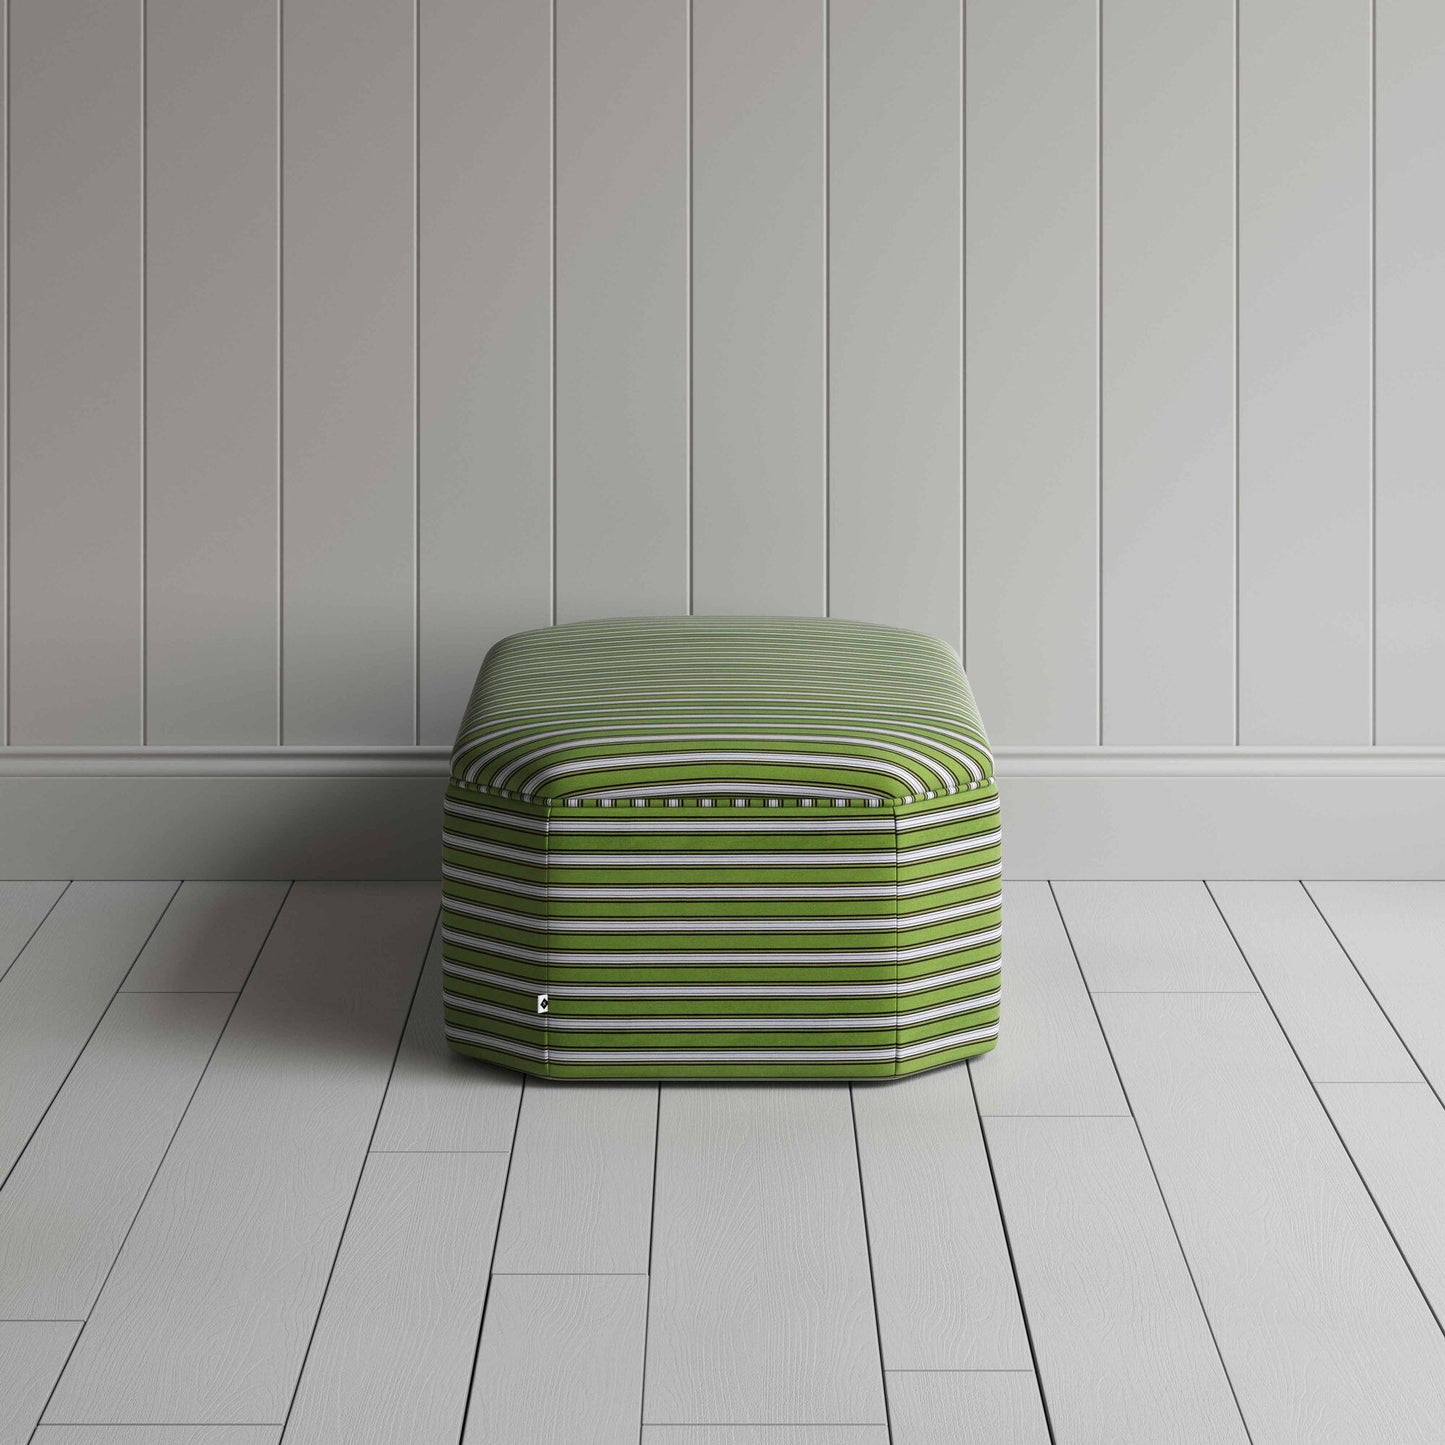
x=541, y=1003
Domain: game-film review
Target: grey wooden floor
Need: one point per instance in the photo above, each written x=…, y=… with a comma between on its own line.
x=1197, y=1194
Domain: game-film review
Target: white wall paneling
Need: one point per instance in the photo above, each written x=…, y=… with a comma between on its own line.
x=1167, y=371
x=759, y=297
x=1410, y=369
x=5, y=394
x=621, y=295
x=895, y=158
x=212, y=405
x=348, y=371
x=484, y=187
x=1031, y=260
x=1304, y=372
x=75, y=387
x=344, y=339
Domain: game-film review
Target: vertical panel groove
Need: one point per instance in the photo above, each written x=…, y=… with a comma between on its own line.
x=1099, y=371
x=868, y=1249
x=691, y=541
x=827, y=308
x=1374, y=549
x=280, y=377
x=416, y=372
x=552, y=304
x=962, y=335
x=1235, y=417
x=144, y=363
x=5, y=419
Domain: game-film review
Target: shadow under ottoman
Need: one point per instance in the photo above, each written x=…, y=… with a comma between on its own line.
x=721, y=847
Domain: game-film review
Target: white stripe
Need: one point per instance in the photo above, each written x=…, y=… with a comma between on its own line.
x=736, y=788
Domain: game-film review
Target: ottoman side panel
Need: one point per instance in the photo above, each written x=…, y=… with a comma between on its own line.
x=494, y=928
x=731, y=938
x=949, y=928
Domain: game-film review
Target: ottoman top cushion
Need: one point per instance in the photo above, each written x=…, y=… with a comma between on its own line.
x=731, y=709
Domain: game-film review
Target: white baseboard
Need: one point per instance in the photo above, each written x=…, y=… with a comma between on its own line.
x=1068, y=812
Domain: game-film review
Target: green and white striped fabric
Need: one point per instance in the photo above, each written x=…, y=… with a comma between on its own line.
x=717, y=847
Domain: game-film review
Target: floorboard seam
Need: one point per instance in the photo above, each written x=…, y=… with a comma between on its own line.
x=1325, y=1109
x=165, y=1153
x=1384, y=1012
x=496, y=1237
x=45, y=1113
x=642, y=1421
x=360, y=1175
x=868, y=1246
x=1012, y=1263
x=1149, y=1159
x=31, y=935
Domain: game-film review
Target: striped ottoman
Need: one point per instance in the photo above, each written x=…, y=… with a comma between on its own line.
x=715, y=847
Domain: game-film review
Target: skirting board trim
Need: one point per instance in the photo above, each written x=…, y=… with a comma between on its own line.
x=375, y=812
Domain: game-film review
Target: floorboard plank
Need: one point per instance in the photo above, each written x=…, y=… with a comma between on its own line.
x=208, y=939
x=439, y=1100
x=1145, y=937
x=1396, y=1135
x=762, y=1306
x=32, y=1354
x=941, y=1274
x=54, y=994
x=1335, y=1026
x=1325, y=1335
x=1395, y=934
x=397, y=1334
x=1051, y=1057
x=990, y=1407
x=579, y=1199
x=23, y=907
x=560, y=1361
x=65, y=1209
x=158, y=1435
x=1124, y=1350
x=206, y=1316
